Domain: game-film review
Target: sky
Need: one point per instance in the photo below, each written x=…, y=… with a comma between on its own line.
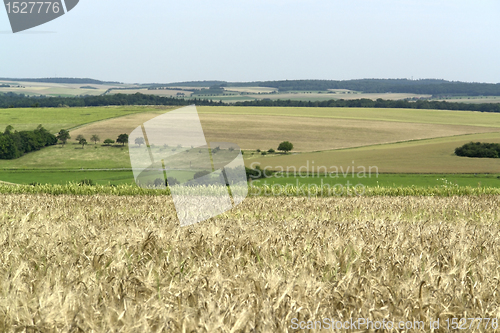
x=256, y=40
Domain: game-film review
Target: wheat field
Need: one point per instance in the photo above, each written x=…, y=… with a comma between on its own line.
x=103, y=263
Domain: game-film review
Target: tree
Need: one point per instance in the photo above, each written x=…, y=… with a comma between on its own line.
x=63, y=136
x=95, y=138
x=83, y=142
x=285, y=146
x=8, y=148
x=139, y=141
x=122, y=138
x=8, y=129
x=108, y=142
x=79, y=137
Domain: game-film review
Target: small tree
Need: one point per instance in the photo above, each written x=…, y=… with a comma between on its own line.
x=139, y=141
x=285, y=146
x=8, y=129
x=79, y=137
x=122, y=138
x=108, y=142
x=95, y=138
x=171, y=181
x=83, y=142
x=63, y=136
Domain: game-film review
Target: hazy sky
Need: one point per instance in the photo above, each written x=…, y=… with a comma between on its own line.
x=249, y=40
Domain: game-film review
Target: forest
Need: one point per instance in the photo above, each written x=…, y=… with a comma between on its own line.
x=14, y=144
x=479, y=149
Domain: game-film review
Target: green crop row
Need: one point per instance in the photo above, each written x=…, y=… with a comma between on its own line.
x=263, y=191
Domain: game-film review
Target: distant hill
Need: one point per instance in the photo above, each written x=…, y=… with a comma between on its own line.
x=12, y=100
x=61, y=80
x=434, y=87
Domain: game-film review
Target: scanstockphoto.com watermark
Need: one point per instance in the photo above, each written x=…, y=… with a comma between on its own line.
x=307, y=190
x=320, y=180
x=388, y=324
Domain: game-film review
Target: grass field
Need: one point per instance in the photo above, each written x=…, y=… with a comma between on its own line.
x=117, y=177
x=114, y=177
x=394, y=140
x=54, y=119
x=113, y=127
x=108, y=263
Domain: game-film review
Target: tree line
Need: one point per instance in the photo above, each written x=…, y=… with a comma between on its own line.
x=14, y=144
x=22, y=101
x=11, y=100
x=379, y=103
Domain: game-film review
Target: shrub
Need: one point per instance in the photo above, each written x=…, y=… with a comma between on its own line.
x=159, y=182
x=271, y=151
x=89, y=182
x=171, y=181
x=200, y=174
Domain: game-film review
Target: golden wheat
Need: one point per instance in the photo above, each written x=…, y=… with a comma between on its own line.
x=104, y=263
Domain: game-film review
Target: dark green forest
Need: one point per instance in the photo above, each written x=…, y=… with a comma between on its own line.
x=379, y=103
x=14, y=144
x=479, y=149
x=11, y=100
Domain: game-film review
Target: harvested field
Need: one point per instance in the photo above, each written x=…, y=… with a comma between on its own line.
x=312, y=128
x=423, y=156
